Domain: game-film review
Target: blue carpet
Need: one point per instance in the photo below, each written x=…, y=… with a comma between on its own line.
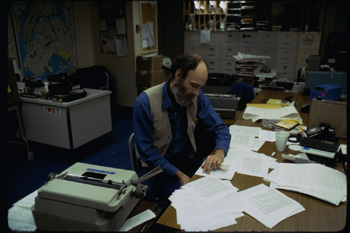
x=25, y=176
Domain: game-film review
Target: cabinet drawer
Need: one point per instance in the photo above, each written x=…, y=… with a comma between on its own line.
x=286, y=55
x=215, y=39
x=247, y=39
x=191, y=49
x=287, y=39
x=191, y=38
x=214, y=66
x=228, y=66
x=266, y=39
x=267, y=52
x=230, y=39
x=286, y=70
x=309, y=40
x=228, y=52
x=248, y=50
x=210, y=52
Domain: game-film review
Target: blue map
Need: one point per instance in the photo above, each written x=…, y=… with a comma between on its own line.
x=45, y=36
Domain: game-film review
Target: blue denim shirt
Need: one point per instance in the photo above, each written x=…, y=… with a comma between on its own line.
x=143, y=129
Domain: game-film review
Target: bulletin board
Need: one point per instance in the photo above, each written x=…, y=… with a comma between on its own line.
x=149, y=27
x=113, y=33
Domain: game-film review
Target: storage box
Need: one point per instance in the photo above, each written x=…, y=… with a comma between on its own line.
x=150, y=64
x=149, y=79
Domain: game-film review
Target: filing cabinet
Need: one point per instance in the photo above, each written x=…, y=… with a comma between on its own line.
x=288, y=51
x=309, y=44
x=247, y=39
x=287, y=40
x=266, y=39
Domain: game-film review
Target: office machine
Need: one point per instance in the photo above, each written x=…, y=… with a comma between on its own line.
x=326, y=91
x=65, y=88
x=87, y=197
x=224, y=104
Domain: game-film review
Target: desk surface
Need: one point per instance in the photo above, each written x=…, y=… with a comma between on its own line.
x=91, y=94
x=318, y=215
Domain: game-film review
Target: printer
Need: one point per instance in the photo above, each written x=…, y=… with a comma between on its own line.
x=87, y=197
x=224, y=104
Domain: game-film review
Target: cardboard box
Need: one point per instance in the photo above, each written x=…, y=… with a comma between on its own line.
x=150, y=64
x=330, y=112
x=149, y=79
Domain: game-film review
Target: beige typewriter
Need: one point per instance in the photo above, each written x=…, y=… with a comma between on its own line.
x=87, y=197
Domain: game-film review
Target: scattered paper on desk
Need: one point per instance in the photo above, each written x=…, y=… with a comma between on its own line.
x=254, y=114
x=245, y=137
x=221, y=173
x=250, y=163
x=245, y=130
x=20, y=217
x=268, y=205
x=193, y=214
x=208, y=189
x=137, y=220
x=267, y=135
x=28, y=201
x=313, y=179
x=343, y=148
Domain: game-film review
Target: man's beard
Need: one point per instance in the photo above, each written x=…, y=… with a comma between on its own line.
x=180, y=95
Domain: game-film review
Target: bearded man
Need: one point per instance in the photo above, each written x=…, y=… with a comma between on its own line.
x=164, y=120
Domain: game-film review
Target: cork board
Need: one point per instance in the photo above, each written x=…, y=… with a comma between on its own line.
x=149, y=27
x=330, y=112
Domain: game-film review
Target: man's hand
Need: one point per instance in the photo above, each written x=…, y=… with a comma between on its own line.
x=214, y=161
x=183, y=178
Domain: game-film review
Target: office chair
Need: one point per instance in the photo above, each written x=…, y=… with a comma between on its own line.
x=246, y=93
x=136, y=163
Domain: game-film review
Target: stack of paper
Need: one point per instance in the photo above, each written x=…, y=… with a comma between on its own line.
x=241, y=57
x=268, y=205
x=254, y=113
x=313, y=179
x=206, y=204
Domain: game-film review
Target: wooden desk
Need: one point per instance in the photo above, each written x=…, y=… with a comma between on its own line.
x=318, y=215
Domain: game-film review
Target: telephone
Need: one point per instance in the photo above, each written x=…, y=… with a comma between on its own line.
x=323, y=132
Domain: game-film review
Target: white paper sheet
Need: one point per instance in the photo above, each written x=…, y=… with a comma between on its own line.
x=137, y=220
x=267, y=205
x=204, y=36
x=21, y=219
x=248, y=162
x=314, y=179
x=208, y=189
x=245, y=137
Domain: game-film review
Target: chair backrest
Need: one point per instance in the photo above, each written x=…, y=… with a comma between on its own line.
x=245, y=91
x=136, y=162
x=132, y=152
